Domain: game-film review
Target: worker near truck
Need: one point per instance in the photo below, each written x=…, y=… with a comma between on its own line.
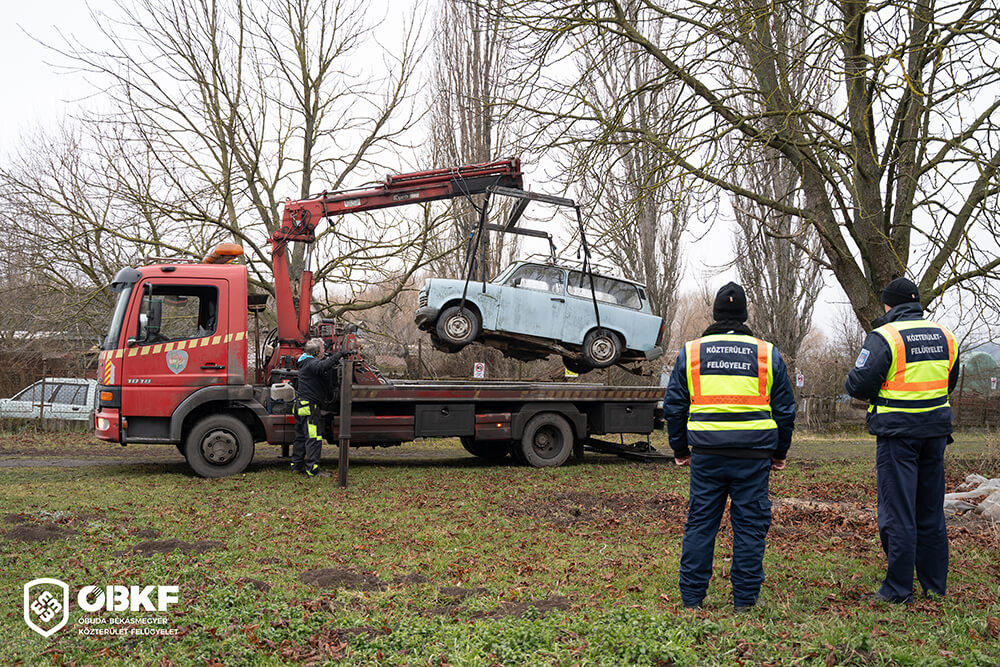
x=730, y=413
x=907, y=367
x=314, y=379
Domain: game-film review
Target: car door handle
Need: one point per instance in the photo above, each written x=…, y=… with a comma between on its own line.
x=559, y=299
x=212, y=366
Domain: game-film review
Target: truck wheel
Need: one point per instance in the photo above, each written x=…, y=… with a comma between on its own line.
x=218, y=446
x=458, y=326
x=601, y=348
x=547, y=440
x=493, y=450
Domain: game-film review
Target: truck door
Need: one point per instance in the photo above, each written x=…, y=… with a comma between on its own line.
x=177, y=343
x=533, y=302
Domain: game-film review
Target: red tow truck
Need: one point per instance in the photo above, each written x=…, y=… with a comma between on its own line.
x=174, y=366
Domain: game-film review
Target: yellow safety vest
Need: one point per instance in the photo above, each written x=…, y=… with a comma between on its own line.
x=917, y=380
x=729, y=381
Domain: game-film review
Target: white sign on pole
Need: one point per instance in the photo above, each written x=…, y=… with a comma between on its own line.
x=993, y=383
x=479, y=370
x=800, y=380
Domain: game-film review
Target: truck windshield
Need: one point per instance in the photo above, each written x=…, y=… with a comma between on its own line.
x=111, y=342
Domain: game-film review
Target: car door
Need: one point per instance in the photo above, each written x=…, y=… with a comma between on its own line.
x=177, y=332
x=533, y=301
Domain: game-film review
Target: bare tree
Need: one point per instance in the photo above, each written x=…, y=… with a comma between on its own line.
x=219, y=111
x=898, y=166
x=470, y=69
x=640, y=206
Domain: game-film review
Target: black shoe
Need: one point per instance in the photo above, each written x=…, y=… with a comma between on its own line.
x=693, y=607
x=744, y=608
x=879, y=597
x=298, y=468
x=316, y=472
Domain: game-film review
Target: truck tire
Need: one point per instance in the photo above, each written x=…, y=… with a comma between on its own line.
x=493, y=450
x=547, y=440
x=458, y=326
x=601, y=347
x=219, y=445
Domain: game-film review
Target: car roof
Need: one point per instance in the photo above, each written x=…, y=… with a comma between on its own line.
x=568, y=267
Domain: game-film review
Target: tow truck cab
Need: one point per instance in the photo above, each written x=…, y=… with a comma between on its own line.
x=178, y=337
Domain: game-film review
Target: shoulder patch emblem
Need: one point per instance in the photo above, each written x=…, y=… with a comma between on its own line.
x=862, y=358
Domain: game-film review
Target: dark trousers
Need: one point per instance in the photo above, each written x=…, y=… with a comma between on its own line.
x=308, y=444
x=911, y=525
x=713, y=479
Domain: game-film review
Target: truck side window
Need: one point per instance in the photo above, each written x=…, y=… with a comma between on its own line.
x=178, y=312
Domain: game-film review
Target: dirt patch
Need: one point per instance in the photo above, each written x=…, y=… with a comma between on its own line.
x=255, y=584
x=150, y=547
x=541, y=605
x=410, y=580
x=459, y=593
x=792, y=516
x=38, y=532
x=147, y=533
x=329, y=577
x=14, y=518
x=582, y=507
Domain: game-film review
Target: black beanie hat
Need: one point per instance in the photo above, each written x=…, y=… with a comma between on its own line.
x=730, y=304
x=900, y=291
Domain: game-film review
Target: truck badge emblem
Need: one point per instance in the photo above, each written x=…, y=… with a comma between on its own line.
x=177, y=360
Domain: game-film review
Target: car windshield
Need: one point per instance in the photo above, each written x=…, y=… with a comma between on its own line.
x=111, y=341
x=607, y=290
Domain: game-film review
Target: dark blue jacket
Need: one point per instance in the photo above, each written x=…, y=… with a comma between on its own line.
x=872, y=369
x=314, y=382
x=678, y=402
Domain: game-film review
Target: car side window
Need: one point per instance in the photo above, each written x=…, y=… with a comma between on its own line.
x=32, y=393
x=540, y=278
x=178, y=312
x=607, y=290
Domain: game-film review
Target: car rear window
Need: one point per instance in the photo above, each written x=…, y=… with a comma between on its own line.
x=607, y=290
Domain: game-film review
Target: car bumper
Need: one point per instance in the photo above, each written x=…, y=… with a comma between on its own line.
x=653, y=353
x=426, y=317
x=106, y=424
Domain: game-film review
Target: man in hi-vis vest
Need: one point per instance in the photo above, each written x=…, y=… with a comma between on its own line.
x=730, y=414
x=906, y=369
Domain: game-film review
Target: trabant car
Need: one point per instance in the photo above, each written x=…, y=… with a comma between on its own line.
x=533, y=309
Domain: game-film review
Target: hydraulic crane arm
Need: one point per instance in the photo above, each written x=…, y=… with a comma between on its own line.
x=300, y=218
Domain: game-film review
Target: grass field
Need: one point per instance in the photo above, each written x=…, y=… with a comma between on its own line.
x=432, y=557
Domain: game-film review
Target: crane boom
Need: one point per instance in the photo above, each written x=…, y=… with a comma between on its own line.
x=301, y=216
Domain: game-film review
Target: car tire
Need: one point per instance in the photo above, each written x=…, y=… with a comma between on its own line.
x=218, y=446
x=458, y=326
x=601, y=348
x=547, y=441
x=576, y=366
x=492, y=450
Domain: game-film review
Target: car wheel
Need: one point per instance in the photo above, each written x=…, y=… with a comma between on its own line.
x=458, y=326
x=218, y=446
x=601, y=348
x=493, y=450
x=547, y=440
x=576, y=366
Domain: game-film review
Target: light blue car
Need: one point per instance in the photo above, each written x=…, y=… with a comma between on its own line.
x=533, y=309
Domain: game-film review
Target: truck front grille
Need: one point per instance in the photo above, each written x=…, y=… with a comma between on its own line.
x=422, y=299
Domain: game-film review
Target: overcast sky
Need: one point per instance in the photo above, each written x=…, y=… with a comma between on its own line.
x=39, y=93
